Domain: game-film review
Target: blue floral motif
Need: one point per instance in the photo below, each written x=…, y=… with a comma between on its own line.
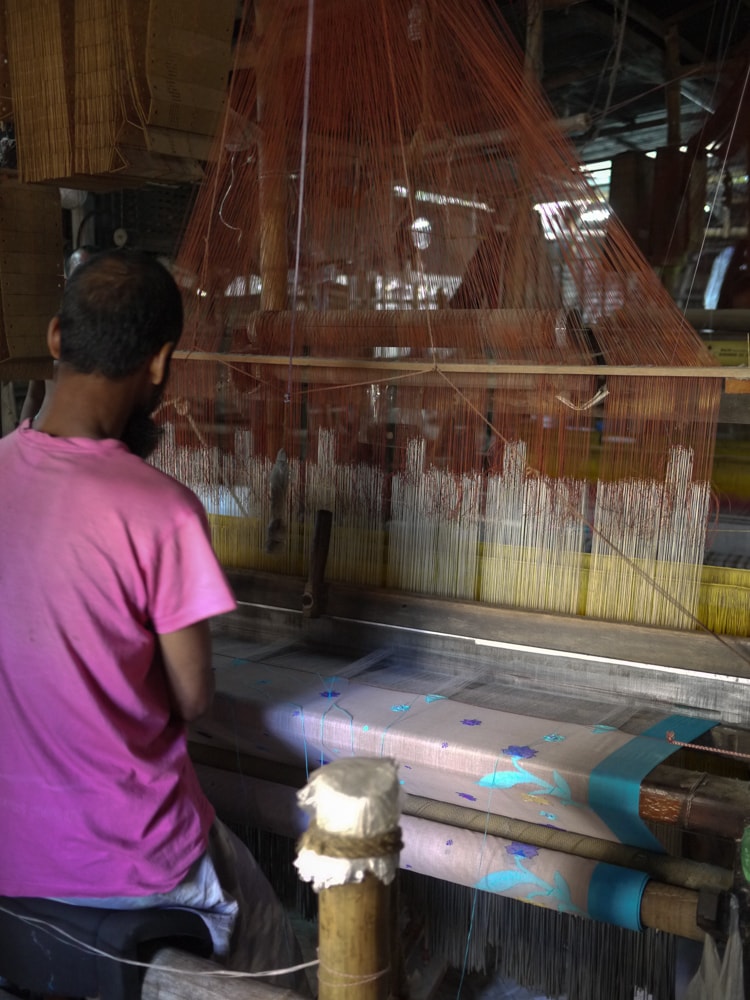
x=520, y=776
x=365, y=729
x=603, y=729
x=400, y=708
x=554, y=738
x=330, y=694
x=449, y=843
x=471, y=722
x=443, y=746
x=465, y=795
x=429, y=698
x=296, y=713
x=521, y=850
x=526, y=752
x=557, y=890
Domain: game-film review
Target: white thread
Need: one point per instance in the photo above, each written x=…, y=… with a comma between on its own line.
x=301, y=198
x=83, y=946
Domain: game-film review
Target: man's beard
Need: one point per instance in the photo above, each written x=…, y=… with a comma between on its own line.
x=141, y=434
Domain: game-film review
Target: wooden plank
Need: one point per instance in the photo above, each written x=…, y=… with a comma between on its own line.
x=25, y=369
x=23, y=262
x=737, y=386
x=463, y=368
x=31, y=327
x=27, y=241
x=27, y=303
x=173, y=142
x=620, y=663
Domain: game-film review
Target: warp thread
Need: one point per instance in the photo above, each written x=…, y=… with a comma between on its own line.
x=336, y=845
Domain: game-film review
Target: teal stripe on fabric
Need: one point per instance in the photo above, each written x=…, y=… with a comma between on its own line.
x=615, y=896
x=615, y=783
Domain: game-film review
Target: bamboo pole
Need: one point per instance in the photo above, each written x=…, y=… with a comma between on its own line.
x=349, y=853
x=354, y=940
x=680, y=872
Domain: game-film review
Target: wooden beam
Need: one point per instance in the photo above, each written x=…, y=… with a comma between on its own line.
x=672, y=91
x=308, y=365
x=8, y=414
x=658, y=27
x=25, y=369
x=533, y=66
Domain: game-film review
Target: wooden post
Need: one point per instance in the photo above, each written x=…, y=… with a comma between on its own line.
x=672, y=265
x=8, y=414
x=313, y=598
x=272, y=166
x=350, y=855
x=672, y=89
x=534, y=51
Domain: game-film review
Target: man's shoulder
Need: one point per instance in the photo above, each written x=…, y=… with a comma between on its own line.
x=157, y=484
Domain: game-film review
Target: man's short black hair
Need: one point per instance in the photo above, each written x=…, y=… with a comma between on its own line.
x=118, y=310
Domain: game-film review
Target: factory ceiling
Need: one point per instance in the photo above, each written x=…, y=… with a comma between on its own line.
x=624, y=63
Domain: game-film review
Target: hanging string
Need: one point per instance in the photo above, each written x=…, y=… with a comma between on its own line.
x=704, y=749
x=237, y=229
x=301, y=196
x=63, y=935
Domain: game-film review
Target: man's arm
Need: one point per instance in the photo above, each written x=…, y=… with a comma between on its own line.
x=187, y=661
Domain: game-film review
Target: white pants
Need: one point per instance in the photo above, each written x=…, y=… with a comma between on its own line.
x=249, y=928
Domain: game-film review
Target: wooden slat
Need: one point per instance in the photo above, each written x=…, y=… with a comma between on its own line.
x=464, y=368
x=23, y=263
x=25, y=369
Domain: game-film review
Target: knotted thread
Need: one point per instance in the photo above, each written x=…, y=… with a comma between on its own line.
x=336, y=845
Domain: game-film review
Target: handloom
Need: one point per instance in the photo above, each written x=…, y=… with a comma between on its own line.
x=404, y=308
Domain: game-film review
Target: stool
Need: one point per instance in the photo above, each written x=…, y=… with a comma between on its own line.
x=35, y=958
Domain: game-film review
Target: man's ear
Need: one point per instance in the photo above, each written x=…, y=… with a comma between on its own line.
x=53, y=337
x=159, y=365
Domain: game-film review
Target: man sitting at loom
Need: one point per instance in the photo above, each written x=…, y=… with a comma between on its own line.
x=107, y=582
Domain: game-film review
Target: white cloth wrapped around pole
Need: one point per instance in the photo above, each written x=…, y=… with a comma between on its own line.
x=356, y=799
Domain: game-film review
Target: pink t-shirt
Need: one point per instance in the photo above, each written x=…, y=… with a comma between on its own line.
x=99, y=552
